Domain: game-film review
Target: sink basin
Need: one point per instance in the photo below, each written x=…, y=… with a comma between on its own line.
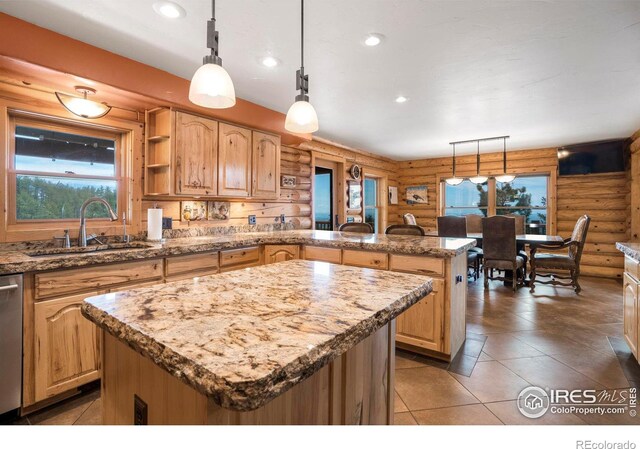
x=87, y=250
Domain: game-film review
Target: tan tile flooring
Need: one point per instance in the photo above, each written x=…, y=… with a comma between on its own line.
x=552, y=338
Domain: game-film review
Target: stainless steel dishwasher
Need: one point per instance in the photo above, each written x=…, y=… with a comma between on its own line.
x=10, y=342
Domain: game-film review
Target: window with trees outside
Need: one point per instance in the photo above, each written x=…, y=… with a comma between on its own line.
x=57, y=167
x=525, y=195
x=371, y=214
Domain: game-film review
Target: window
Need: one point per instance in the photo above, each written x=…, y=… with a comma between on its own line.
x=466, y=198
x=371, y=213
x=525, y=195
x=58, y=167
x=323, y=197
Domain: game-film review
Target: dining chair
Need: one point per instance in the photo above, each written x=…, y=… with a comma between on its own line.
x=409, y=219
x=403, y=229
x=474, y=223
x=520, y=224
x=362, y=228
x=499, y=246
x=450, y=226
x=545, y=265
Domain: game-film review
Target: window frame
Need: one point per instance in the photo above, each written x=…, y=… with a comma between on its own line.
x=382, y=196
x=444, y=202
x=17, y=118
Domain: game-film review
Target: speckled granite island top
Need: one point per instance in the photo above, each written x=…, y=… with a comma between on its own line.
x=16, y=260
x=244, y=337
x=630, y=249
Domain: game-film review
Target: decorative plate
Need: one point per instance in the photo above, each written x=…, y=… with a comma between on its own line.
x=355, y=171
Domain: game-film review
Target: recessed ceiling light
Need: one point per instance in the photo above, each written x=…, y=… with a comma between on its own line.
x=170, y=10
x=373, y=39
x=270, y=61
x=401, y=99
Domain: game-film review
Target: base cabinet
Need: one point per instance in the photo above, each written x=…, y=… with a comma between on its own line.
x=630, y=312
x=423, y=324
x=280, y=253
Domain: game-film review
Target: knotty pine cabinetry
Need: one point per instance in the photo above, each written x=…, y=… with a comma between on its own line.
x=193, y=156
x=631, y=304
x=280, y=253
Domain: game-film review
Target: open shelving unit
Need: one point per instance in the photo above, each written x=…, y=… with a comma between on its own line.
x=157, y=152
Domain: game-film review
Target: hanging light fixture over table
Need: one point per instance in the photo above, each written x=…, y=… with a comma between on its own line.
x=454, y=180
x=302, y=117
x=505, y=177
x=478, y=179
x=211, y=85
x=83, y=107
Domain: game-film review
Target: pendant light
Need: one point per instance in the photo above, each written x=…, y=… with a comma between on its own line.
x=301, y=117
x=211, y=85
x=477, y=179
x=83, y=107
x=505, y=177
x=454, y=180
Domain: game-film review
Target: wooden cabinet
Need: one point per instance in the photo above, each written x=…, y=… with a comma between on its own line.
x=266, y=166
x=630, y=312
x=365, y=259
x=196, y=151
x=416, y=264
x=234, y=161
x=280, y=253
x=234, y=259
x=423, y=323
x=332, y=255
x=183, y=267
x=67, y=350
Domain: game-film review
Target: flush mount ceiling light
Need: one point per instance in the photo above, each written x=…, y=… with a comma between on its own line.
x=302, y=117
x=505, y=177
x=81, y=106
x=477, y=179
x=211, y=85
x=373, y=39
x=454, y=180
x=170, y=10
x=401, y=99
x=270, y=61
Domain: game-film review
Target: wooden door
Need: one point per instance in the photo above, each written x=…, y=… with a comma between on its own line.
x=630, y=312
x=422, y=324
x=266, y=166
x=67, y=346
x=234, y=161
x=280, y=253
x=196, y=154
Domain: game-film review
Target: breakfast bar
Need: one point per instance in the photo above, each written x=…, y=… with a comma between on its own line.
x=300, y=342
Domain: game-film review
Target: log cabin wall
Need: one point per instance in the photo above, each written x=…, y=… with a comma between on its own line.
x=604, y=197
x=634, y=187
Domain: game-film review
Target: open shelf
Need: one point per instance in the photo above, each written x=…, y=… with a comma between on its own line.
x=158, y=152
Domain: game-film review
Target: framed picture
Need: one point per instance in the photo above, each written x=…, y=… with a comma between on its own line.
x=287, y=181
x=355, y=195
x=393, y=195
x=193, y=210
x=218, y=210
x=417, y=195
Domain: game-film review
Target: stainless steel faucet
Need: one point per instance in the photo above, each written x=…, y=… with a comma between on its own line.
x=82, y=235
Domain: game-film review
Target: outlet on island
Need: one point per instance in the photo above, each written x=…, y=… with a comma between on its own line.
x=252, y=219
x=283, y=219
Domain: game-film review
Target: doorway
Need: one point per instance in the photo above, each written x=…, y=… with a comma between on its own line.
x=324, y=198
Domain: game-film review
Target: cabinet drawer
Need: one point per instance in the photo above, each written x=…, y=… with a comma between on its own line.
x=239, y=256
x=631, y=266
x=332, y=255
x=57, y=283
x=366, y=259
x=416, y=264
x=191, y=263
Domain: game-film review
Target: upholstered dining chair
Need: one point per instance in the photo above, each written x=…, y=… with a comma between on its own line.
x=403, y=229
x=362, y=228
x=450, y=226
x=499, y=246
x=474, y=223
x=546, y=265
x=409, y=219
x=520, y=225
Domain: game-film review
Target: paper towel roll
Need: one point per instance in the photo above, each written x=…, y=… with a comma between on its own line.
x=154, y=224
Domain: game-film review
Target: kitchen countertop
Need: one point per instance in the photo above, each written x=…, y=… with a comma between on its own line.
x=630, y=249
x=244, y=337
x=18, y=261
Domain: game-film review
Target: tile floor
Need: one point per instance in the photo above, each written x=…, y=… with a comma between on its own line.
x=552, y=338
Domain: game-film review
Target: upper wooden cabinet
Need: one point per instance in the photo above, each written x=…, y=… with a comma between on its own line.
x=234, y=161
x=196, y=151
x=266, y=166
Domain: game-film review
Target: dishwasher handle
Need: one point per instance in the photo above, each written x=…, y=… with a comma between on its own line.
x=6, y=288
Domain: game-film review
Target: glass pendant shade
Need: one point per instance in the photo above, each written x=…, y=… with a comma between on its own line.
x=454, y=181
x=505, y=178
x=211, y=87
x=301, y=118
x=478, y=179
x=82, y=107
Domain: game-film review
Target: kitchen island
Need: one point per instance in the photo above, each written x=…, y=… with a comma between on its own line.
x=297, y=342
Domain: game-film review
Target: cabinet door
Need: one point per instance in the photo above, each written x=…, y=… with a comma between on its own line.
x=266, y=166
x=280, y=253
x=196, y=154
x=234, y=161
x=423, y=323
x=630, y=312
x=67, y=346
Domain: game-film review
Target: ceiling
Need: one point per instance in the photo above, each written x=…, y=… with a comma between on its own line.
x=548, y=73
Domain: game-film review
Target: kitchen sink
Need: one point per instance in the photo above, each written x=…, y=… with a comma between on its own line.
x=87, y=249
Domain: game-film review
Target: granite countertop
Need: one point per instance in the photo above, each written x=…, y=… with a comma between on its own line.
x=630, y=249
x=18, y=261
x=245, y=337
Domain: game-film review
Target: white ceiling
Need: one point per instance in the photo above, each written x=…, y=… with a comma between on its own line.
x=548, y=73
